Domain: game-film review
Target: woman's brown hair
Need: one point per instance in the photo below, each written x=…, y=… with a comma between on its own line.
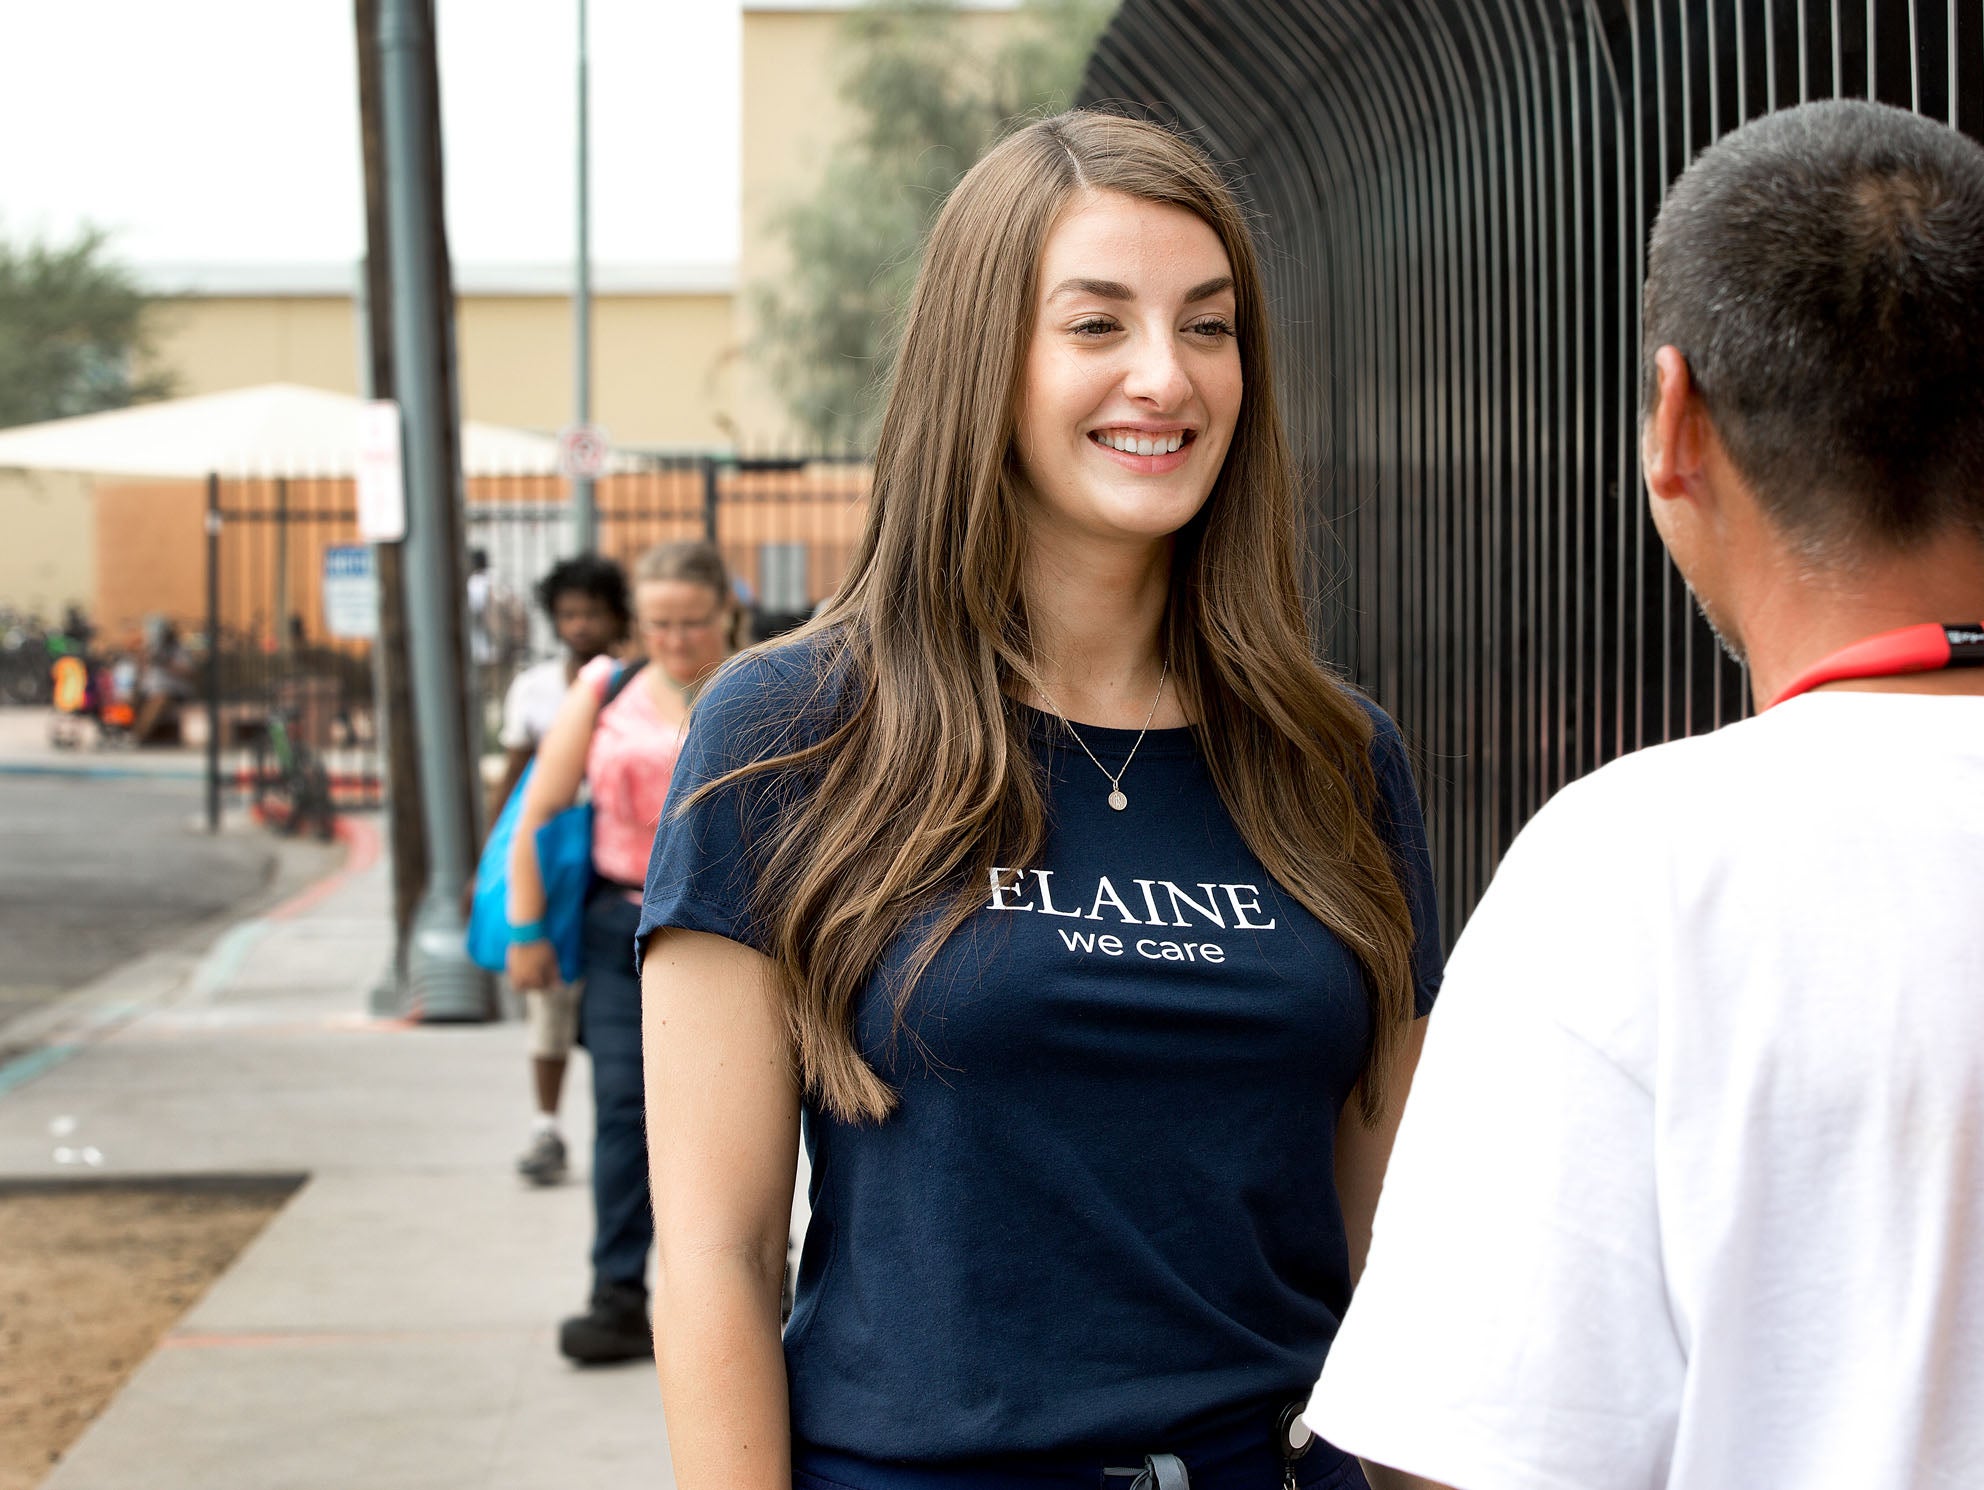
x=695, y=561
x=926, y=781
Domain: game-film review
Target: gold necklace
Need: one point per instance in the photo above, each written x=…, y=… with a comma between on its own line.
x=1116, y=798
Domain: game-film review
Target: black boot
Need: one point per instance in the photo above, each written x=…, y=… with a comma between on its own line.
x=614, y=1328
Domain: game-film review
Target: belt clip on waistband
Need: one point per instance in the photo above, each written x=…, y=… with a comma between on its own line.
x=1294, y=1438
x=1160, y=1472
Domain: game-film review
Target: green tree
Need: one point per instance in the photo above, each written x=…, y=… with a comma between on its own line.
x=73, y=332
x=925, y=106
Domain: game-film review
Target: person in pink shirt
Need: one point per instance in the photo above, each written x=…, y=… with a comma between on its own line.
x=617, y=736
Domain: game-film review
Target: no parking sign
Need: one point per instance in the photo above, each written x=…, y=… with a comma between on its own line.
x=582, y=450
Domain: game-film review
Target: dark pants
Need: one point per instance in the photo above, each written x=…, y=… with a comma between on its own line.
x=610, y=1030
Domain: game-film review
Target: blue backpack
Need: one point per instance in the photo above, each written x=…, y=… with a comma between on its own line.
x=564, y=861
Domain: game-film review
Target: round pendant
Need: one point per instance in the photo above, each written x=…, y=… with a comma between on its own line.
x=1118, y=800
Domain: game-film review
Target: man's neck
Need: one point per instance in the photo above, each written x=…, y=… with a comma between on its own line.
x=1796, y=618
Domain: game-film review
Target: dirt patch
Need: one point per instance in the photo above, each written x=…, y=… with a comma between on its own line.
x=91, y=1275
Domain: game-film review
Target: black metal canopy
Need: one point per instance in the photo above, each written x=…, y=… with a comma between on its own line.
x=1454, y=198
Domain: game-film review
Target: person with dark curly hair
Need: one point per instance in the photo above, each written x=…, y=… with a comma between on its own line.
x=587, y=601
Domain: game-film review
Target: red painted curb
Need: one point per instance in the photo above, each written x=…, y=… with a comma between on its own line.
x=362, y=845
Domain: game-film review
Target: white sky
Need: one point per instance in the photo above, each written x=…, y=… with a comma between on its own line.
x=226, y=131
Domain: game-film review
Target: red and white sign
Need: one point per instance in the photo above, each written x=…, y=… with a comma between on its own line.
x=381, y=478
x=582, y=450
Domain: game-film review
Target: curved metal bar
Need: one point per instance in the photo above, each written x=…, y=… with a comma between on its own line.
x=1454, y=197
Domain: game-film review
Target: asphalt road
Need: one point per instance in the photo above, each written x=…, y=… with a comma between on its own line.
x=96, y=872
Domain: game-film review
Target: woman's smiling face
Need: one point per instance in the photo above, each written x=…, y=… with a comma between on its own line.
x=1132, y=383
x=683, y=627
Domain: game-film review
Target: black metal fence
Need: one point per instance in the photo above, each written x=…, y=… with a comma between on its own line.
x=1455, y=197
x=292, y=593
x=291, y=638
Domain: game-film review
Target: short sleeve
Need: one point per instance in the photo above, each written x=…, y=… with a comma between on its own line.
x=703, y=871
x=1403, y=825
x=516, y=732
x=1513, y=1326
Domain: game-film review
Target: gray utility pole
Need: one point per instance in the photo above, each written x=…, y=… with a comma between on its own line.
x=442, y=982
x=585, y=511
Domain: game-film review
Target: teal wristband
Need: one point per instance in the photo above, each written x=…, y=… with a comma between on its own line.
x=530, y=931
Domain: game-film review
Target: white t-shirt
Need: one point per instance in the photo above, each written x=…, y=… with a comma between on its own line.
x=1690, y=1188
x=480, y=647
x=532, y=703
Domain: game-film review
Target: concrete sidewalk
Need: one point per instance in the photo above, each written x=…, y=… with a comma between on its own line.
x=394, y=1326
x=27, y=750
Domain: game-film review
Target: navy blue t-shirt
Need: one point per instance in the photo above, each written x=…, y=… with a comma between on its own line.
x=1104, y=1213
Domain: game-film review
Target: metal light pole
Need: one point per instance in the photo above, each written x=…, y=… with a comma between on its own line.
x=443, y=983
x=585, y=513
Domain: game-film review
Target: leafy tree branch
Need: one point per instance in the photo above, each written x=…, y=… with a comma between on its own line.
x=73, y=332
x=925, y=106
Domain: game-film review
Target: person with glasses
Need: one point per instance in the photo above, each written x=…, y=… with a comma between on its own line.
x=617, y=734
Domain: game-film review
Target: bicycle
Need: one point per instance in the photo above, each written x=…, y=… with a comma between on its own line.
x=298, y=795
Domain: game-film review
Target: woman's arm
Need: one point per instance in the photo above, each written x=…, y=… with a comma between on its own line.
x=554, y=786
x=1362, y=1153
x=723, y=1145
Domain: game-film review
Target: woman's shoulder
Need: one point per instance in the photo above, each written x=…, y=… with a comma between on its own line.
x=1386, y=741
x=1391, y=767
x=777, y=697
x=1384, y=745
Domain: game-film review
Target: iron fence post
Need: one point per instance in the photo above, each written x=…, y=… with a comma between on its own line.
x=709, y=498
x=213, y=653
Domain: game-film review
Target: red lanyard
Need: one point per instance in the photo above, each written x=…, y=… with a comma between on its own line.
x=1912, y=649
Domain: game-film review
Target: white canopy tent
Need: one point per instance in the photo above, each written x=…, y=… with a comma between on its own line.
x=277, y=429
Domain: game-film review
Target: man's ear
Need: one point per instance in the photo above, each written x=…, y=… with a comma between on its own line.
x=1670, y=444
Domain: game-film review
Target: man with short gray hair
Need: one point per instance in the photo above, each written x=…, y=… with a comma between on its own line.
x=1690, y=1188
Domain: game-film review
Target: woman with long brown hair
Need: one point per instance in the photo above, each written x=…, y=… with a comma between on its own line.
x=1084, y=916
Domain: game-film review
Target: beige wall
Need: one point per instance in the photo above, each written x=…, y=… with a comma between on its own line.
x=660, y=362
x=213, y=343
x=47, y=542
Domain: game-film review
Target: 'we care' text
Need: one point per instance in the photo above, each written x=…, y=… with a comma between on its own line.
x=1163, y=903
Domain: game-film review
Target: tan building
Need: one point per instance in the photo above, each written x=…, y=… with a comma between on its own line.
x=671, y=366
x=660, y=341
x=47, y=542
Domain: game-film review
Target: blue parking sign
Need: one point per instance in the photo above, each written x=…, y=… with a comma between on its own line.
x=351, y=592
